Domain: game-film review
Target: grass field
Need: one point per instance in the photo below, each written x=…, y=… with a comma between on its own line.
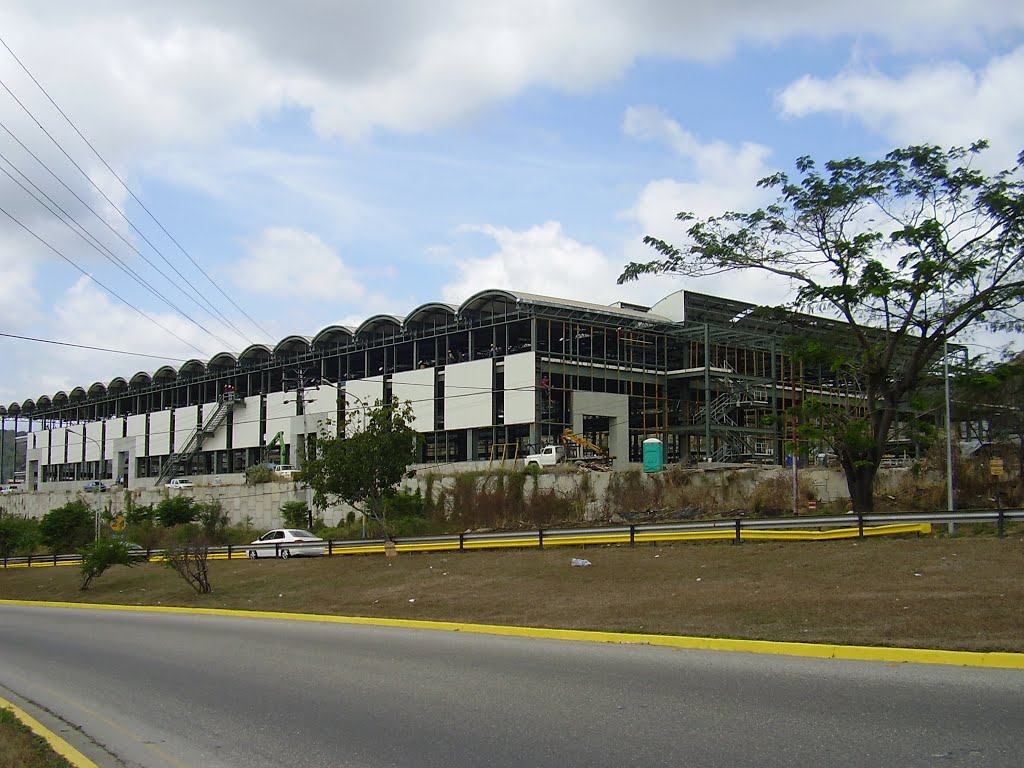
x=20, y=748
x=933, y=592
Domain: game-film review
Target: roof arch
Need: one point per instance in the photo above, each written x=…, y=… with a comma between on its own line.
x=291, y=346
x=60, y=398
x=117, y=384
x=78, y=393
x=222, y=360
x=97, y=389
x=140, y=379
x=3, y=410
x=255, y=353
x=43, y=401
x=14, y=409
x=190, y=369
x=492, y=301
x=165, y=373
x=332, y=337
x=379, y=326
x=431, y=315
x=29, y=406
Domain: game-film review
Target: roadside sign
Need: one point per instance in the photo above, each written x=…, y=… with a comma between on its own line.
x=996, y=466
x=118, y=524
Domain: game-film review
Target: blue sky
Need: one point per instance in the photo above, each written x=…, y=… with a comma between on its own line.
x=324, y=162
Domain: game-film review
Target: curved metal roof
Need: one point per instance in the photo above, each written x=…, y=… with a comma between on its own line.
x=255, y=353
x=380, y=324
x=43, y=401
x=140, y=379
x=222, y=360
x=14, y=409
x=60, y=398
x=292, y=345
x=78, y=393
x=165, y=373
x=118, y=382
x=192, y=368
x=333, y=335
x=97, y=389
x=428, y=314
x=28, y=406
x=3, y=410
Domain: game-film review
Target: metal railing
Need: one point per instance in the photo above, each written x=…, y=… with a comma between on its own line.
x=735, y=529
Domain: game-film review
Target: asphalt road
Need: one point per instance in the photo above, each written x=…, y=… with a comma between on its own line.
x=160, y=690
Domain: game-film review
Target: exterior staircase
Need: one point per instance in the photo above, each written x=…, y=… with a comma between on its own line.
x=194, y=444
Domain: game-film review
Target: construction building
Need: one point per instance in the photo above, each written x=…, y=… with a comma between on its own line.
x=502, y=374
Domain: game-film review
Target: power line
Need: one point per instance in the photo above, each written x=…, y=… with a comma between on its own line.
x=100, y=284
x=133, y=195
x=91, y=348
x=96, y=245
x=107, y=224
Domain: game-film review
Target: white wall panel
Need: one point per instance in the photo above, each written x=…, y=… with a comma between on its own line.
x=246, y=431
x=418, y=388
x=219, y=441
x=57, y=438
x=185, y=421
x=137, y=429
x=93, y=440
x=520, y=388
x=160, y=433
x=468, y=398
x=114, y=431
x=360, y=396
x=42, y=439
x=75, y=440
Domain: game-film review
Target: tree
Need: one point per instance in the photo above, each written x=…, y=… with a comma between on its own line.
x=176, y=510
x=189, y=561
x=17, y=534
x=67, y=528
x=100, y=555
x=362, y=466
x=296, y=514
x=908, y=251
x=995, y=395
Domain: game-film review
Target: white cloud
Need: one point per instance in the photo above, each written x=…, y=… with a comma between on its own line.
x=190, y=70
x=292, y=264
x=722, y=177
x=945, y=103
x=544, y=260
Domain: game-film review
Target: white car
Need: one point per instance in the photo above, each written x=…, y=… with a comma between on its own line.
x=179, y=482
x=285, y=470
x=287, y=542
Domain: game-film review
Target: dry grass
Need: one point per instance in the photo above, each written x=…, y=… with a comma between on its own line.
x=955, y=593
x=20, y=748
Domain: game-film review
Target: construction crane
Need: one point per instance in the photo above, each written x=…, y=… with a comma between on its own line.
x=568, y=436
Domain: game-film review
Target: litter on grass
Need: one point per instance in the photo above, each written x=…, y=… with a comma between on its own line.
x=579, y=561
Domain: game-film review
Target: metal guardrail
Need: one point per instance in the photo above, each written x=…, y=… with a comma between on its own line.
x=736, y=529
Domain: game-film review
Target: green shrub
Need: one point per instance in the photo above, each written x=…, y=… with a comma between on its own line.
x=100, y=555
x=67, y=528
x=213, y=519
x=295, y=514
x=18, y=534
x=258, y=473
x=176, y=510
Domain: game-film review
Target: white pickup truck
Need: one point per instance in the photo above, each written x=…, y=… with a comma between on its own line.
x=549, y=456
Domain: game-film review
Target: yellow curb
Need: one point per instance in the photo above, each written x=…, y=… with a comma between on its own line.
x=56, y=743
x=992, y=659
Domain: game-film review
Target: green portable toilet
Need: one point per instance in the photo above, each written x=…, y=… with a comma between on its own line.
x=654, y=455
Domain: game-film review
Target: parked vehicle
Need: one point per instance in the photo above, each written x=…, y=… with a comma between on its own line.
x=9, y=488
x=285, y=470
x=287, y=542
x=549, y=456
x=179, y=482
x=95, y=486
